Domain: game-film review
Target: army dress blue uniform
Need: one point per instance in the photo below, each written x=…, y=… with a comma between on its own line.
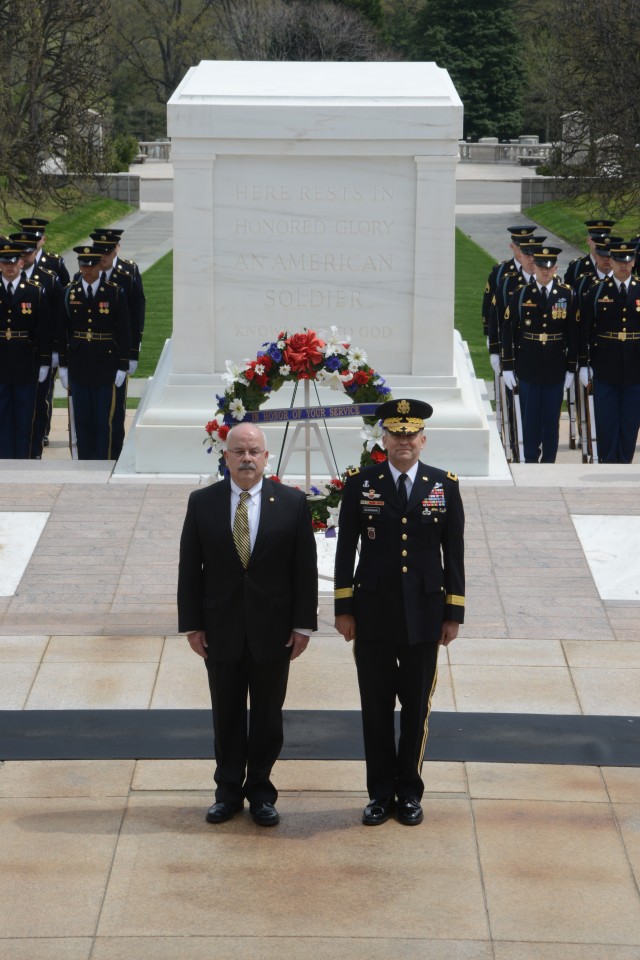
x=409, y=579
x=44, y=394
x=540, y=343
x=94, y=343
x=26, y=326
x=610, y=345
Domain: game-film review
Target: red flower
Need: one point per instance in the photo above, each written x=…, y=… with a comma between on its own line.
x=223, y=430
x=378, y=456
x=212, y=426
x=337, y=484
x=318, y=525
x=303, y=350
x=274, y=476
x=362, y=377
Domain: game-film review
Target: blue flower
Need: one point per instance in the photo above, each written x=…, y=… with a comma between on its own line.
x=332, y=363
x=274, y=352
x=315, y=491
x=221, y=401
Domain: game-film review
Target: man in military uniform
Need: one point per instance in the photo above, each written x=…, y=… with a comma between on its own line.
x=500, y=270
x=539, y=352
x=610, y=352
x=596, y=230
x=25, y=352
x=50, y=261
x=94, y=346
x=126, y=274
x=49, y=281
x=405, y=599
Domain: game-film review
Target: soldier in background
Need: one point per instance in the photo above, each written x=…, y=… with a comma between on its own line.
x=127, y=275
x=610, y=355
x=25, y=352
x=49, y=281
x=596, y=230
x=500, y=270
x=539, y=353
x=50, y=261
x=94, y=346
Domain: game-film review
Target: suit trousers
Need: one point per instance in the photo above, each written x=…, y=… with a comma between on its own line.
x=388, y=670
x=247, y=747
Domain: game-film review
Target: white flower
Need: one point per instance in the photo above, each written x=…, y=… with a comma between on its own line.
x=259, y=369
x=334, y=513
x=356, y=355
x=333, y=345
x=332, y=379
x=354, y=365
x=236, y=409
x=281, y=344
x=233, y=373
x=371, y=435
x=285, y=370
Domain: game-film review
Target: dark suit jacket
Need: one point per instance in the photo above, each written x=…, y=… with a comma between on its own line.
x=410, y=567
x=277, y=592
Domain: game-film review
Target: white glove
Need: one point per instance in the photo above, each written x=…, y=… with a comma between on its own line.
x=509, y=378
x=64, y=377
x=133, y=366
x=569, y=378
x=487, y=343
x=585, y=376
x=495, y=362
x=55, y=360
x=42, y=374
x=120, y=377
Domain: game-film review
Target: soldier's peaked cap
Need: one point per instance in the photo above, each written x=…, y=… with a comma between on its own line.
x=623, y=251
x=546, y=256
x=33, y=224
x=404, y=416
x=9, y=252
x=599, y=226
x=87, y=256
x=519, y=232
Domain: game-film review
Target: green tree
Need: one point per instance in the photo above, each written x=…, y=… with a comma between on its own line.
x=54, y=106
x=478, y=42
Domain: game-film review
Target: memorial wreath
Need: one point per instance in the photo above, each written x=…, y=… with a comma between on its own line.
x=331, y=362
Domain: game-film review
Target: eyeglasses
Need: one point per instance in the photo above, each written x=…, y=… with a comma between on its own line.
x=253, y=453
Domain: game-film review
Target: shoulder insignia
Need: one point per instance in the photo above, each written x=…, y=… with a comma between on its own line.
x=353, y=471
x=452, y=476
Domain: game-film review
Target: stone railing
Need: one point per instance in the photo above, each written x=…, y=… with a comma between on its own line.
x=154, y=150
x=524, y=151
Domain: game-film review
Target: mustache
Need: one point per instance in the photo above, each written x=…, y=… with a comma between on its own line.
x=247, y=466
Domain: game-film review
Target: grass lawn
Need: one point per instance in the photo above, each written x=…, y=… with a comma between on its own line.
x=66, y=230
x=158, y=289
x=473, y=265
x=566, y=219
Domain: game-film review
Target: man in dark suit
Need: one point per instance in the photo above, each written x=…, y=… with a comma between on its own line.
x=247, y=600
x=405, y=599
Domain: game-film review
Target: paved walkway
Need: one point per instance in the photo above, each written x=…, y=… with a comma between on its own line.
x=112, y=859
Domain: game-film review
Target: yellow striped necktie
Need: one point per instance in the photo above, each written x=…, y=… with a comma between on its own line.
x=241, y=529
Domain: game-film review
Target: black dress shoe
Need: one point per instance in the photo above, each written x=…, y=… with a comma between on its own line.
x=264, y=814
x=409, y=811
x=222, y=810
x=377, y=811
x=45, y=441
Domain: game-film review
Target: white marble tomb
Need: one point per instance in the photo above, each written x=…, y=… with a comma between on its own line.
x=311, y=195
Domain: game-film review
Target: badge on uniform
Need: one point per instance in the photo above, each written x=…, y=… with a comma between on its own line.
x=435, y=500
x=365, y=484
x=371, y=533
x=103, y=306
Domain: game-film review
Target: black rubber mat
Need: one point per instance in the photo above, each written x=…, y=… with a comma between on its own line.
x=319, y=735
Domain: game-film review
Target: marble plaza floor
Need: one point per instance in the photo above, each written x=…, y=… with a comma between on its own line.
x=112, y=859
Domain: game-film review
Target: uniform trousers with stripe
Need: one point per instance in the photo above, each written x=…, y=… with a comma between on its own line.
x=541, y=405
x=17, y=408
x=119, y=417
x=247, y=743
x=93, y=410
x=390, y=670
x=617, y=411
